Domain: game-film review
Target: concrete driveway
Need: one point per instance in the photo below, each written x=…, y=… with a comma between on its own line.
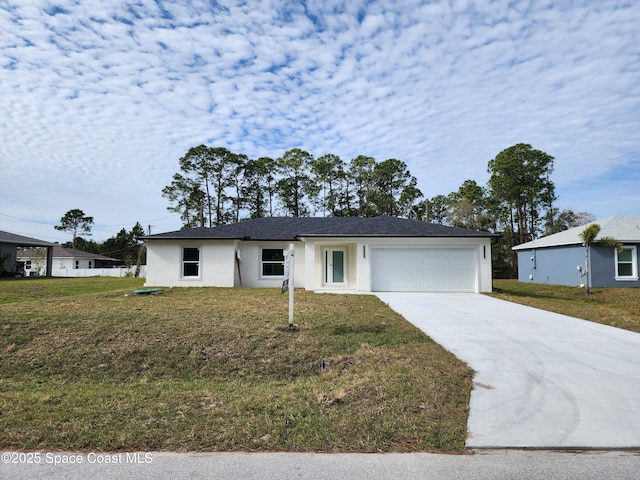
x=542, y=380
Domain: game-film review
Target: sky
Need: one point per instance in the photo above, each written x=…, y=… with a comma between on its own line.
x=99, y=100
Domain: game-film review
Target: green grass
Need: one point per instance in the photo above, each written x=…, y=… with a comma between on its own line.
x=618, y=307
x=208, y=369
x=28, y=289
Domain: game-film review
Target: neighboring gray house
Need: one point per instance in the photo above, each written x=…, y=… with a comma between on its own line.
x=9, y=243
x=559, y=259
x=331, y=254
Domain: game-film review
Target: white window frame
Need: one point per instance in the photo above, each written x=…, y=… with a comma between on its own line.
x=183, y=262
x=634, y=264
x=261, y=262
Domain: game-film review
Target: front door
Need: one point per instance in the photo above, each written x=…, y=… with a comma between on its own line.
x=335, y=267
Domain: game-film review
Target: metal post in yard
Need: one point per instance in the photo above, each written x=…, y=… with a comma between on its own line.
x=291, y=284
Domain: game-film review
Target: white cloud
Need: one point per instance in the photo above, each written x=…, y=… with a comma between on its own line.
x=100, y=103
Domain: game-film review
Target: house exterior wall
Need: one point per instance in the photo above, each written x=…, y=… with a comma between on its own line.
x=558, y=266
x=219, y=267
x=359, y=258
x=314, y=265
x=603, y=268
x=69, y=262
x=164, y=263
x=34, y=266
x=60, y=266
x=250, y=265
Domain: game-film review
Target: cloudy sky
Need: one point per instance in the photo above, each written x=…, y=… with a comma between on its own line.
x=99, y=99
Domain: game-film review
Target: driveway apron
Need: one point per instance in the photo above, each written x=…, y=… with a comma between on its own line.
x=542, y=380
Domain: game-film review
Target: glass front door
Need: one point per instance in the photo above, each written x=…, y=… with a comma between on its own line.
x=335, y=266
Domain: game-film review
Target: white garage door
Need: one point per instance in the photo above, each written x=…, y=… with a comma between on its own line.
x=423, y=270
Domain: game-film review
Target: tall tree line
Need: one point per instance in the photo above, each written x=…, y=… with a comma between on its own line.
x=125, y=245
x=215, y=186
x=518, y=202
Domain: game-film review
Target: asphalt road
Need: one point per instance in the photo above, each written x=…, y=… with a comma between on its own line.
x=485, y=464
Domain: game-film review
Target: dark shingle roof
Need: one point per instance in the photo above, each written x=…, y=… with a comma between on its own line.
x=61, y=252
x=279, y=228
x=7, y=237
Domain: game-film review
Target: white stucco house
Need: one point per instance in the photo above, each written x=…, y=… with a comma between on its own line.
x=330, y=254
x=31, y=260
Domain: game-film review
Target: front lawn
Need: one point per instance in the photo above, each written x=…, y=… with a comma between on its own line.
x=28, y=289
x=618, y=307
x=210, y=369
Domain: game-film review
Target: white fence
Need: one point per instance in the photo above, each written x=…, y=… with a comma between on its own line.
x=98, y=272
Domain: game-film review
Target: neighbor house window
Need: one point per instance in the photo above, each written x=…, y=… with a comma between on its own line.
x=272, y=260
x=190, y=262
x=627, y=264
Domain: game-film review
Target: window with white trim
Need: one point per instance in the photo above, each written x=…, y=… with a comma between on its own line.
x=272, y=262
x=190, y=262
x=627, y=264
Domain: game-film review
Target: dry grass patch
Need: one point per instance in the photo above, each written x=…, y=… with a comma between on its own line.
x=207, y=369
x=618, y=307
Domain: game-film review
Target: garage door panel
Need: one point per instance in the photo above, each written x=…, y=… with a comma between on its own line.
x=423, y=269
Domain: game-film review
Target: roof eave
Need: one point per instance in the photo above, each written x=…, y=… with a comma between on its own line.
x=395, y=235
x=530, y=246
x=326, y=235
x=179, y=237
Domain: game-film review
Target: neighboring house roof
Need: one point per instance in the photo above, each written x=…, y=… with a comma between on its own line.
x=625, y=228
x=61, y=252
x=280, y=228
x=7, y=237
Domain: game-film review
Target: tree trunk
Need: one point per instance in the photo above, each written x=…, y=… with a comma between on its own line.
x=270, y=201
x=586, y=270
x=512, y=242
x=219, y=205
x=206, y=183
x=521, y=224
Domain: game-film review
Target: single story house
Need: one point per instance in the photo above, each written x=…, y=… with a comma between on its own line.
x=31, y=260
x=330, y=254
x=560, y=258
x=9, y=243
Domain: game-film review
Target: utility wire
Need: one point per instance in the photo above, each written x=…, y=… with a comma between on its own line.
x=94, y=225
